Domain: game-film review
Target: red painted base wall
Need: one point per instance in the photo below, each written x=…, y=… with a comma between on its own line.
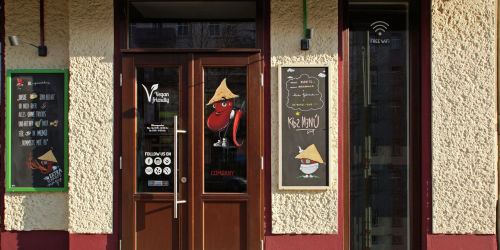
x=61, y=240
x=93, y=241
x=57, y=240
x=461, y=242
x=30, y=240
x=303, y=242
x=333, y=242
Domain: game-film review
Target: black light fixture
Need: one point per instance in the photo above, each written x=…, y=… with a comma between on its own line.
x=42, y=49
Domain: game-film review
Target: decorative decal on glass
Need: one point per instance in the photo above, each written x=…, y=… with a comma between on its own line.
x=157, y=104
x=379, y=27
x=224, y=112
x=225, y=130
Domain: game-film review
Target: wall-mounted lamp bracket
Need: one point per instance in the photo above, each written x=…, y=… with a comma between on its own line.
x=14, y=41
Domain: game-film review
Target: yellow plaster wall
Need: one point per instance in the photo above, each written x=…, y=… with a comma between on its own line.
x=304, y=211
x=79, y=36
x=91, y=116
x=464, y=140
x=26, y=211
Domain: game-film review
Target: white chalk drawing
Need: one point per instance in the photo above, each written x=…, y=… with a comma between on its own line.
x=309, y=161
x=304, y=94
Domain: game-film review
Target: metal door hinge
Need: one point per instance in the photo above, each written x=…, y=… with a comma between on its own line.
x=262, y=162
x=121, y=165
x=121, y=79
x=262, y=79
x=120, y=244
x=261, y=244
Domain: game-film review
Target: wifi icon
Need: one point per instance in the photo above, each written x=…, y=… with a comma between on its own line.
x=379, y=27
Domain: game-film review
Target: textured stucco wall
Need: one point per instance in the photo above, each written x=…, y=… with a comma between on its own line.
x=36, y=211
x=304, y=211
x=464, y=141
x=91, y=116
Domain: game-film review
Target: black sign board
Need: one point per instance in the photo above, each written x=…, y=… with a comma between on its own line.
x=36, y=152
x=303, y=127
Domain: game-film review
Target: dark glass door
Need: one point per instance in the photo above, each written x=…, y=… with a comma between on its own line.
x=379, y=126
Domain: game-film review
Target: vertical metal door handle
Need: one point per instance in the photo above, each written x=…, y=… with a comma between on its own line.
x=177, y=131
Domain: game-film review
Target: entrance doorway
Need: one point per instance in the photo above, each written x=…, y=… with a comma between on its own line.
x=192, y=147
x=383, y=125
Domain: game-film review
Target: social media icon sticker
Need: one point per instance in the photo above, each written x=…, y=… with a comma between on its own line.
x=148, y=160
x=148, y=170
x=167, y=161
x=157, y=161
x=158, y=171
x=167, y=170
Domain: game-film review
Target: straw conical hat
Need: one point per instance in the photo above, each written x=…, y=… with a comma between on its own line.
x=222, y=93
x=310, y=153
x=49, y=156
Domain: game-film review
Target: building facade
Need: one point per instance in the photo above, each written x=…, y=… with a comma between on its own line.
x=317, y=124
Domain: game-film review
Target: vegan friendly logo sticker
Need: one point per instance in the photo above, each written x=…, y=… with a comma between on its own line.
x=156, y=96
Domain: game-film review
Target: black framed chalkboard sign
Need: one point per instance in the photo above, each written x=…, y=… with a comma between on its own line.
x=303, y=127
x=37, y=130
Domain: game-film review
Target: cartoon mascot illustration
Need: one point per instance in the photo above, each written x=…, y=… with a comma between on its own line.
x=310, y=160
x=224, y=112
x=44, y=163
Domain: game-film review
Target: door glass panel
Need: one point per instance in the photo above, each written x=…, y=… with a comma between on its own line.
x=379, y=163
x=192, y=24
x=157, y=104
x=225, y=130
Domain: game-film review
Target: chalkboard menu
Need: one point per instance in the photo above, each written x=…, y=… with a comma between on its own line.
x=303, y=157
x=36, y=145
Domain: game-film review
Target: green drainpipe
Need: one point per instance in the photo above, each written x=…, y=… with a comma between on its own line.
x=304, y=17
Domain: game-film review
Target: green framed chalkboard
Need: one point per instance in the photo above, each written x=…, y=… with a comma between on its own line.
x=303, y=127
x=37, y=130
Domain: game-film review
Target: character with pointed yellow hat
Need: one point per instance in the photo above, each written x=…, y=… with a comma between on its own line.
x=219, y=120
x=46, y=164
x=310, y=160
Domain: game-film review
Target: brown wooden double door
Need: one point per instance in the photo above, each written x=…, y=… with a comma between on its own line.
x=200, y=116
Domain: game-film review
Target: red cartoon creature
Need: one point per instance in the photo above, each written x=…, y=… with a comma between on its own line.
x=220, y=119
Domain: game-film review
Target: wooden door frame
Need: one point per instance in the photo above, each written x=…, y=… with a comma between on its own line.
x=255, y=131
x=419, y=101
x=129, y=127
x=195, y=62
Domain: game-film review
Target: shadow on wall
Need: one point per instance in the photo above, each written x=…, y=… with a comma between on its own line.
x=29, y=240
x=56, y=240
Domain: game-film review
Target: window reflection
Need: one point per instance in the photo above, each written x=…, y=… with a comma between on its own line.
x=192, y=24
x=193, y=35
x=378, y=89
